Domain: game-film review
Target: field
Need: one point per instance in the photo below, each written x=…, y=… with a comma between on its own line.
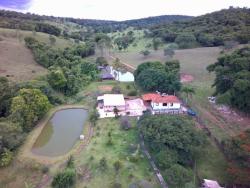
x=17, y=62
x=123, y=148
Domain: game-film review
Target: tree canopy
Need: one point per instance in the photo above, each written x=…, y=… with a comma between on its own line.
x=154, y=76
x=232, y=82
x=28, y=107
x=174, y=142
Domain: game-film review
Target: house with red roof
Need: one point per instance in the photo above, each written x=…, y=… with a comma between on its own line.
x=160, y=104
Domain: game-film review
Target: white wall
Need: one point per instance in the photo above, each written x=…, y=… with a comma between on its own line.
x=160, y=106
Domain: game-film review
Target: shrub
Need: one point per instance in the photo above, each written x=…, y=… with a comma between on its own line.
x=103, y=164
x=70, y=162
x=132, y=93
x=125, y=124
x=6, y=158
x=64, y=179
x=45, y=169
x=116, y=90
x=117, y=165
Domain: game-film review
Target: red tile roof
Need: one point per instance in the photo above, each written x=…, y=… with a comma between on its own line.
x=157, y=98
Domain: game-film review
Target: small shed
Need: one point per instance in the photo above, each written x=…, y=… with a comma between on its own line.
x=210, y=184
x=107, y=76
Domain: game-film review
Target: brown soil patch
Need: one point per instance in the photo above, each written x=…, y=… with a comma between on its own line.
x=17, y=62
x=105, y=88
x=186, y=78
x=232, y=115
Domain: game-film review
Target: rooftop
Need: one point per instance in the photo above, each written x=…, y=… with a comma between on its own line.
x=157, y=98
x=211, y=184
x=113, y=100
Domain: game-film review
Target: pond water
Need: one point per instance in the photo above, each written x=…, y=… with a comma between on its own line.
x=61, y=133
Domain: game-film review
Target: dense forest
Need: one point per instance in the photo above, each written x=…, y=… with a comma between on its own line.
x=208, y=30
x=11, y=19
x=232, y=80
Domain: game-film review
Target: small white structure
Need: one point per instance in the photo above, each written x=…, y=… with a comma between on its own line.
x=210, y=184
x=81, y=137
x=162, y=103
x=122, y=77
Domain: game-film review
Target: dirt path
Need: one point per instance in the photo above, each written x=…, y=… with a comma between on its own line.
x=215, y=121
x=152, y=163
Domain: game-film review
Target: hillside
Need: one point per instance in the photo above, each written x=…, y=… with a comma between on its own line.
x=17, y=62
x=11, y=19
x=208, y=30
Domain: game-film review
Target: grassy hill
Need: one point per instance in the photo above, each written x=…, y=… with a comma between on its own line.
x=16, y=61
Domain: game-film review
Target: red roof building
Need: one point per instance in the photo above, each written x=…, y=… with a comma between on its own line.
x=157, y=98
x=162, y=103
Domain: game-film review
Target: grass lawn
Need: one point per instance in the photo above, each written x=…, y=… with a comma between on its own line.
x=211, y=164
x=124, y=148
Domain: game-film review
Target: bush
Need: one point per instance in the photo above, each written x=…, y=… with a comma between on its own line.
x=64, y=179
x=70, y=162
x=132, y=93
x=103, y=164
x=125, y=124
x=6, y=158
x=117, y=166
x=116, y=89
x=45, y=169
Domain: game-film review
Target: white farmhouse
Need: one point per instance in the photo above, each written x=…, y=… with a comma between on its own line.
x=162, y=103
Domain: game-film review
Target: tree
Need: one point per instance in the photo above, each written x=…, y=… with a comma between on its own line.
x=103, y=164
x=188, y=91
x=117, y=166
x=102, y=41
x=175, y=134
x=169, y=52
x=28, y=107
x=101, y=61
x=228, y=45
x=186, y=40
x=178, y=176
x=5, y=158
x=173, y=66
x=52, y=40
x=232, y=82
x=93, y=117
x=57, y=79
x=158, y=80
x=148, y=65
x=70, y=162
x=116, y=111
x=145, y=53
x=5, y=96
x=156, y=43
x=125, y=124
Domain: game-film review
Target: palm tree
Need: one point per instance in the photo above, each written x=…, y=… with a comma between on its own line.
x=188, y=91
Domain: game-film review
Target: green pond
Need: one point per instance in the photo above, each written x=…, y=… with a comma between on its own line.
x=61, y=133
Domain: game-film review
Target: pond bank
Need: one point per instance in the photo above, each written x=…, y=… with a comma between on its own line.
x=25, y=151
